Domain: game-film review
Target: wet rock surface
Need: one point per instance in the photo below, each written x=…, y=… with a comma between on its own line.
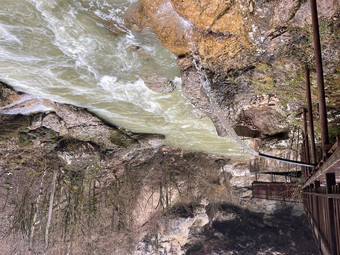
x=253, y=53
x=117, y=187
x=158, y=84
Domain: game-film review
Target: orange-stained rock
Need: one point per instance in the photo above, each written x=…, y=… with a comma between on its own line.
x=245, y=48
x=216, y=29
x=219, y=51
x=174, y=31
x=204, y=13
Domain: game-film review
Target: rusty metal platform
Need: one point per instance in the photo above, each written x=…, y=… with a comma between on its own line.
x=278, y=191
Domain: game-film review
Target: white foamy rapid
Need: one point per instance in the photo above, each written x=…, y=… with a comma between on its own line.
x=78, y=52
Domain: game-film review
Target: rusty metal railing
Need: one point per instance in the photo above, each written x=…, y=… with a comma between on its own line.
x=278, y=191
x=321, y=192
x=322, y=206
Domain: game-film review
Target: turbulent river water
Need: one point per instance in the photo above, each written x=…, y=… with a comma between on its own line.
x=78, y=52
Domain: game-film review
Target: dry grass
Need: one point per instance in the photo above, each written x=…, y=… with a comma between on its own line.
x=93, y=206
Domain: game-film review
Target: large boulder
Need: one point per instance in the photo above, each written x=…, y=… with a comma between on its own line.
x=158, y=83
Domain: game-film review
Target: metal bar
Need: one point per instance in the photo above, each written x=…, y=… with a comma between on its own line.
x=330, y=181
x=332, y=161
x=333, y=196
x=320, y=80
x=274, y=191
x=287, y=160
x=318, y=234
x=303, y=156
x=312, y=208
x=306, y=135
x=310, y=115
x=297, y=149
x=309, y=171
x=317, y=216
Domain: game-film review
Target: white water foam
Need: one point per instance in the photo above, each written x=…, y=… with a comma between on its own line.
x=33, y=105
x=69, y=55
x=168, y=10
x=7, y=37
x=131, y=92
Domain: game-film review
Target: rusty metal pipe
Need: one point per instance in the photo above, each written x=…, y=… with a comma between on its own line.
x=310, y=115
x=303, y=155
x=307, y=153
x=306, y=135
x=320, y=80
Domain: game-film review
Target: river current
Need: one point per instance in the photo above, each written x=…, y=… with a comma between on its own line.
x=79, y=52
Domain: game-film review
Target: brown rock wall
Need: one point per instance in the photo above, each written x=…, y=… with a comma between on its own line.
x=248, y=48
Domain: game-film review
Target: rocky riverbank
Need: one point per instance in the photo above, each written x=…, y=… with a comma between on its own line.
x=253, y=54
x=71, y=183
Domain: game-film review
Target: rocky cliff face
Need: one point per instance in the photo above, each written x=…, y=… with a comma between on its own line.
x=253, y=54
x=70, y=183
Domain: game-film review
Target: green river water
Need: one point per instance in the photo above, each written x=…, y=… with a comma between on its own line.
x=70, y=51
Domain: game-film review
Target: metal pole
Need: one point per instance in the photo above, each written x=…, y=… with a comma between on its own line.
x=317, y=186
x=331, y=181
x=306, y=135
x=310, y=116
x=303, y=156
x=309, y=170
x=320, y=81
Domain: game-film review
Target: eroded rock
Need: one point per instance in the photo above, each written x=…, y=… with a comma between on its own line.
x=158, y=83
x=247, y=49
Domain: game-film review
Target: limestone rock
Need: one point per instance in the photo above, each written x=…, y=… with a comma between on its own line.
x=174, y=31
x=66, y=120
x=204, y=14
x=247, y=49
x=145, y=197
x=264, y=115
x=327, y=9
x=158, y=84
x=135, y=17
